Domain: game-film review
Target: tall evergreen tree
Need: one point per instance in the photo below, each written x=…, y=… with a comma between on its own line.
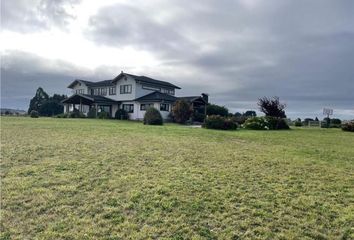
x=38, y=100
x=46, y=105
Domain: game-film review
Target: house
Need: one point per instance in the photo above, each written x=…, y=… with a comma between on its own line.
x=132, y=93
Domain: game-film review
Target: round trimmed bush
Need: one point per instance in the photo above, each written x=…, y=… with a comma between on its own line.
x=76, y=114
x=121, y=114
x=34, y=114
x=153, y=117
x=219, y=122
x=103, y=115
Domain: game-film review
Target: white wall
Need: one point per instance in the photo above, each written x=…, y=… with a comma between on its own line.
x=140, y=91
x=124, y=97
x=77, y=86
x=139, y=114
x=114, y=109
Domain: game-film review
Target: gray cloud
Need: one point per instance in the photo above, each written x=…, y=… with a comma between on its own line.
x=302, y=51
x=22, y=73
x=35, y=15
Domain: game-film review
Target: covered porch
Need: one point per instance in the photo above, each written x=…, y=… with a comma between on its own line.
x=84, y=103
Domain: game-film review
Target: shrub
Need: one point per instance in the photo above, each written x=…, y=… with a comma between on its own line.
x=153, y=117
x=121, y=114
x=219, y=122
x=92, y=113
x=298, y=123
x=275, y=123
x=34, y=114
x=62, y=115
x=282, y=124
x=182, y=111
x=349, y=127
x=266, y=123
x=239, y=119
x=256, y=123
x=103, y=115
x=198, y=117
x=335, y=123
x=76, y=114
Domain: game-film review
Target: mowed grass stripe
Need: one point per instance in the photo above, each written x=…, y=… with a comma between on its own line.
x=107, y=179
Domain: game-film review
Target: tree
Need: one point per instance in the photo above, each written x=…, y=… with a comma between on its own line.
x=38, y=100
x=213, y=109
x=45, y=105
x=250, y=113
x=238, y=114
x=272, y=107
x=316, y=119
x=52, y=106
x=181, y=111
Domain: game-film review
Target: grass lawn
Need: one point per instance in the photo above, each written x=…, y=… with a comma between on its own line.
x=108, y=179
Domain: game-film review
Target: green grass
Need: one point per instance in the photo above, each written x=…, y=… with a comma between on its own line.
x=107, y=179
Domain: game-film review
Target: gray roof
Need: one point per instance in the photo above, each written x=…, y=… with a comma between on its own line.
x=193, y=98
x=156, y=96
x=145, y=79
x=106, y=83
x=103, y=83
x=88, y=99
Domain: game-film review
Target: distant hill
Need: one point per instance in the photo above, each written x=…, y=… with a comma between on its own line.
x=10, y=111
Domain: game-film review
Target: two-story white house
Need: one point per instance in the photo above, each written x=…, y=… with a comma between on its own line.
x=132, y=93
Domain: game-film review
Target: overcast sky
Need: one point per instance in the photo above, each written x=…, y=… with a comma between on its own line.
x=237, y=51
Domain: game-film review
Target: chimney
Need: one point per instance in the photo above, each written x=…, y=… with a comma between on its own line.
x=205, y=96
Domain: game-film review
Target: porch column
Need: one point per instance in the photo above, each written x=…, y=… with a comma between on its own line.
x=96, y=107
x=80, y=105
x=66, y=108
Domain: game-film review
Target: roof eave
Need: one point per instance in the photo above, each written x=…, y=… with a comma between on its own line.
x=77, y=94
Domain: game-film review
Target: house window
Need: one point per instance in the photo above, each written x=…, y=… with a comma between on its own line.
x=80, y=91
x=96, y=91
x=124, y=89
x=104, y=91
x=129, y=108
x=168, y=91
x=164, y=107
x=151, y=88
x=145, y=106
x=112, y=91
